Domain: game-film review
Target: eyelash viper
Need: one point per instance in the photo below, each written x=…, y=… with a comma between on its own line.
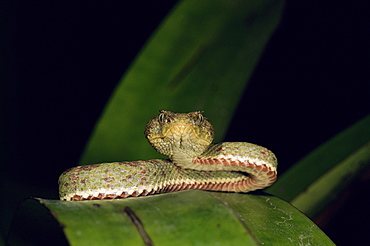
x=194, y=163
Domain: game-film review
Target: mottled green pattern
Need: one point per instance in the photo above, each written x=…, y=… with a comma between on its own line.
x=241, y=151
x=118, y=177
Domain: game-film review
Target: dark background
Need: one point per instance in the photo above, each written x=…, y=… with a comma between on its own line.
x=60, y=62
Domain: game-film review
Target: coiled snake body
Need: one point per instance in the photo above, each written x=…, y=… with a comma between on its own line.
x=194, y=164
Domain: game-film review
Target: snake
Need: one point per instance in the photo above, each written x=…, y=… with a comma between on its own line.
x=194, y=163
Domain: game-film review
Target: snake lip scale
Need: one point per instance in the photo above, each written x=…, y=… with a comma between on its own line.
x=194, y=163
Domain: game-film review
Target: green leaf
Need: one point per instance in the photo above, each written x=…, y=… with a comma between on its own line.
x=200, y=58
x=315, y=180
x=185, y=218
x=274, y=221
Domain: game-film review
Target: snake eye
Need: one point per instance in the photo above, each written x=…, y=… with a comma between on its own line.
x=200, y=119
x=164, y=118
x=161, y=118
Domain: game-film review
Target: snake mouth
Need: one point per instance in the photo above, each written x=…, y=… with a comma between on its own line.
x=180, y=138
x=183, y=135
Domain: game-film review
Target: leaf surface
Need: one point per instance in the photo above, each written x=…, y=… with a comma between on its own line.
x=188, y=218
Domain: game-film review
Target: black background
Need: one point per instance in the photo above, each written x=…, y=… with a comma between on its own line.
x=60, y=62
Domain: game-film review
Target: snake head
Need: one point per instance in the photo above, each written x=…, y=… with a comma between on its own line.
x=183, y=135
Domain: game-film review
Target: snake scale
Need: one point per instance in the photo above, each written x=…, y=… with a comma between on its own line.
x=194, y=163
